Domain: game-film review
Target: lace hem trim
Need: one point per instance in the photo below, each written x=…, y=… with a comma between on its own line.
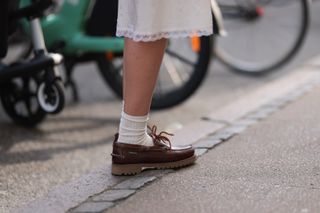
x=136, y=36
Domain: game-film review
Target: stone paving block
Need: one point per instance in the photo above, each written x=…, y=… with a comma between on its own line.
x=283, y=100
x=222, y=135
x=293, y=97
x=290, y=97
x=276, y=103
x=113, y=195
x=200, y=151
x=258, y=115
x=236, y=129
x=89, y=207
x=206, y=118
x=245, y=122
x=308, y=88
x=207, y=143
x=296, y=94
x=269, y=108
x=134, y=182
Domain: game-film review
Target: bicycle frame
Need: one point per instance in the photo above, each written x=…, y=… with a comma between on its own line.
x=73, y=39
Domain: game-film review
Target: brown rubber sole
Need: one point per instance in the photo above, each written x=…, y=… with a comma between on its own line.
x=133, y=169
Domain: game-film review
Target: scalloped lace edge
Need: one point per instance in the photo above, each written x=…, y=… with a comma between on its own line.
x=145, y=37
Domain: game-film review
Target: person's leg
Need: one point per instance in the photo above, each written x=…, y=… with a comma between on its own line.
x=134, y=149
x=142, y=62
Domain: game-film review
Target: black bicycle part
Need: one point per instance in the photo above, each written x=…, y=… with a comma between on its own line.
x=113, y=77
x=7, y=26
x=50, y=93
x=19, y=101
x=106, y=11
x=26, y=68
x=33, y=10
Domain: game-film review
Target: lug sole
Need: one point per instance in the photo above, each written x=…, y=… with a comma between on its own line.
x=133, y=169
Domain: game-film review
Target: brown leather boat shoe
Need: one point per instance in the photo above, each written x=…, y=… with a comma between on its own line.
x=130, y=159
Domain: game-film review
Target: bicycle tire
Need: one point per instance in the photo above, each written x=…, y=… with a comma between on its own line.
x=245, y=68
x=172, y=98
x=9, y=93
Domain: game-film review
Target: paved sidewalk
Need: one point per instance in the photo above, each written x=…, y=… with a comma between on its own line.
x=267, y=161
x=274, y=166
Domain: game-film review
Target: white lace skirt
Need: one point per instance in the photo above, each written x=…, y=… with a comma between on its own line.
x=150, y=20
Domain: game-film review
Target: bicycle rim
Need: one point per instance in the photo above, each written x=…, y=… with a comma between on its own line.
x=184, y=68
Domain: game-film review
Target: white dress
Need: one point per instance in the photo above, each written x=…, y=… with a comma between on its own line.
x=150, y=20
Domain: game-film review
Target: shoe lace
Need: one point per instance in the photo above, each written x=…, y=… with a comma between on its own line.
x=159, y=139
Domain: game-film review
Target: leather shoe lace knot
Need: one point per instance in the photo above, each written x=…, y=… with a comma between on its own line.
x=161, y=138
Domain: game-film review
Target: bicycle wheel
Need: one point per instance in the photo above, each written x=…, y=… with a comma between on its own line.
x=19, y=101
x=183, y=69
x=263, y=35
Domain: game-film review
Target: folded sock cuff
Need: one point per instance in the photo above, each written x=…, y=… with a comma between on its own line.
x=143, y=118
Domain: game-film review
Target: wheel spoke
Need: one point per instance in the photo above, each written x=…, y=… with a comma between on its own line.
x=27, y=104
x=14, y=99
x=33, y=94
x=172, y=71
x=158, y=93
x=181, y=58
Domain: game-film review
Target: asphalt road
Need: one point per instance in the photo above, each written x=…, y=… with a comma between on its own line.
x=33, y=161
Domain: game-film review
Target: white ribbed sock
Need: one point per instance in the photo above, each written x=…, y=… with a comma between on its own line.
x=133, y=130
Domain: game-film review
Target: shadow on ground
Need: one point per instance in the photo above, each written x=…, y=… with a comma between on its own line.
x=56, y=135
